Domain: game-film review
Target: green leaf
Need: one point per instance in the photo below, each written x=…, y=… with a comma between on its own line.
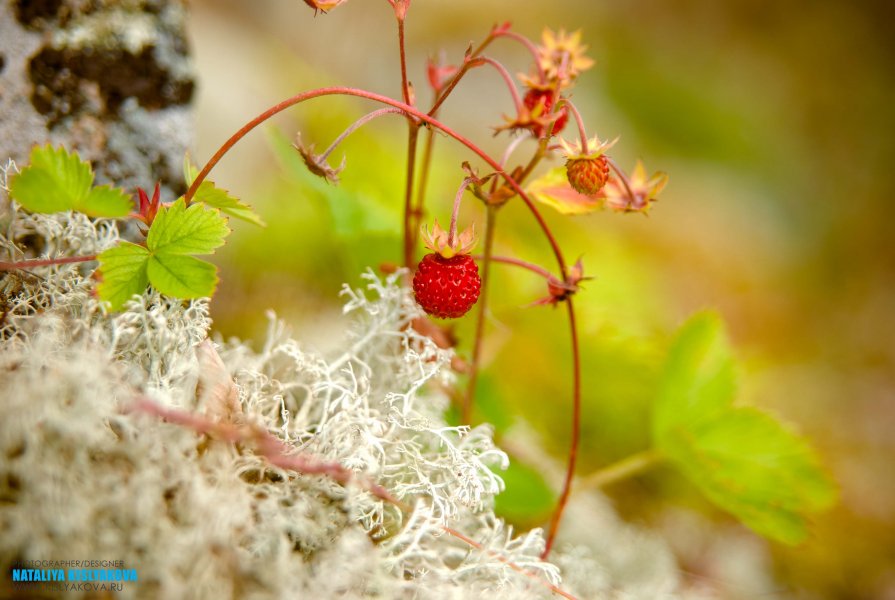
x=105, y=201
x=57, y=180
x=182, y=276
x=699, y=377
x=177, y=232
x=124, y=274
x=527, y=498
x=218, y=198
x=553, y=189
x=747, y=463
x=179, y=229
x=743, y=460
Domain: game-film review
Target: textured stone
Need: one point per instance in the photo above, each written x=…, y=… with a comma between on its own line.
x=110, y=79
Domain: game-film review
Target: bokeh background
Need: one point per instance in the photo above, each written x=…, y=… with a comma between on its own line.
x=776, y=122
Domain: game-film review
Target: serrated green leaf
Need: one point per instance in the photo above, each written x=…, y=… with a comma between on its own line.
x=219, y=198
x=124, y=274
x=553, y=189
x=743, y=460
x=105, y=201
x=699, y=376
x=180, y=230
x=182, y=276
x=747, y=463
x=55, y=180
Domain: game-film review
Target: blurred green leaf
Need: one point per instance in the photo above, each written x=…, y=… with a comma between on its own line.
x=57, y=180
x=743, y=460
x=218, y=198
x=527, y=498
x=699, y=377
x=353, y=211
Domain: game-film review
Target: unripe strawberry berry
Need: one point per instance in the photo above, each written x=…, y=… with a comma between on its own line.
x=588, y=175
x=447, y=287
x=535, y=96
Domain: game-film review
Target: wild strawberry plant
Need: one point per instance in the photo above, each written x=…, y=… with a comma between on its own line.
x=743, y=460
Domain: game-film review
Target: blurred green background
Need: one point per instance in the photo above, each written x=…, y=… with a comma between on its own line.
x=775, y=121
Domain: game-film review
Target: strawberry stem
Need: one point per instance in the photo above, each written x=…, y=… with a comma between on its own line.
x=576, y=433
x=490, y=226
x=455, y=213
x=45, y=262
x=529, y=45
x=579, y=121
x=357, y=125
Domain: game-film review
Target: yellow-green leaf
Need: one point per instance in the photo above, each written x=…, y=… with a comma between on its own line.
x=743, y=460
x=553, y=189
x=219, y=198
x=123, y=270
x=181, y=229
x=182, y=276
x=56, y=180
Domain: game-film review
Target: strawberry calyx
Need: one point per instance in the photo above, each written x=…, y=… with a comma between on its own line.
x=439, y=241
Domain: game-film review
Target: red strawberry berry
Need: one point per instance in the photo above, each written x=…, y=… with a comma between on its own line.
x=535, y=96
x=447, y=287
x=588, y=175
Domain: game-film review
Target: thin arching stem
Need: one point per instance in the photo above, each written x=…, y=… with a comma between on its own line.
x=407, y=109
x=535, y=53
x=508, y=260
x=576, y=433
x=455, y=213
x=490, y=226
x=45, y=262
x=412, y=138
x=507, y=78
x=357, y=125
x=582, y=134
x=621, y=175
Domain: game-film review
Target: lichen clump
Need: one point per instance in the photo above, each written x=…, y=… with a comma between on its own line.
x=83, y=474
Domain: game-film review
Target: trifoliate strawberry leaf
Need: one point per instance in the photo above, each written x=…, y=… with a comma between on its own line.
x=123, y=270
x=182, y=276
x=181, y=229
x=747, y=463
x=699, y=378
x=177, y=232
x=554, y=190
x=743, y=460
x=56, y=180
x=218, y=198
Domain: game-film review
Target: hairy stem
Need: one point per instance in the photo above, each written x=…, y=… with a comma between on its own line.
x=405, y=108
x=357, y=125
x=582, y=134
x=45, y=262
x=455, y=213
x=409, y=236
x=529, y=45
x=508, y=260
x=422, y=184
x=575, y=436
x=490, y=226
x=627, y=467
